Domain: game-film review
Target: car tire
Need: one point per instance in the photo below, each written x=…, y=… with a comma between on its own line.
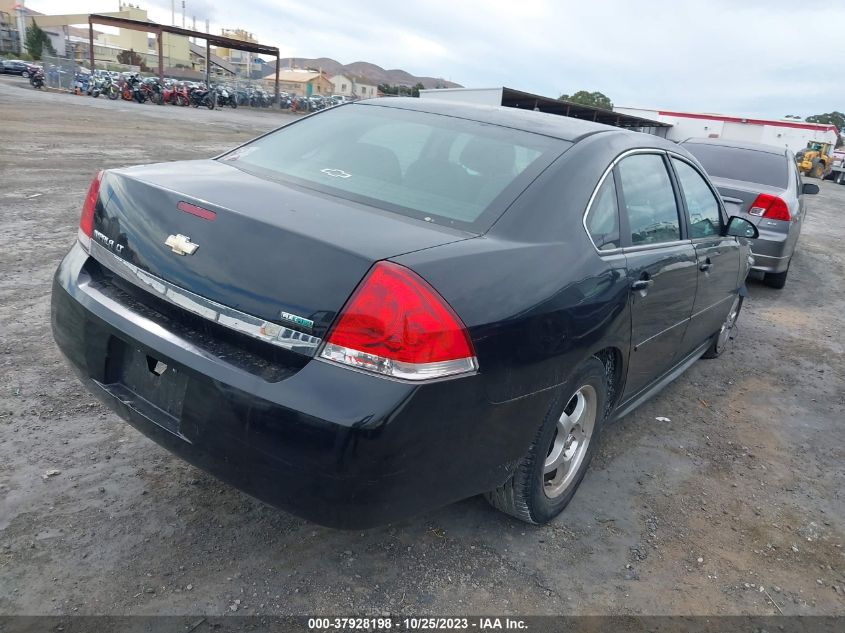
x=723, y=336
x=776, y=280
x=534, y=495
x=25, y=74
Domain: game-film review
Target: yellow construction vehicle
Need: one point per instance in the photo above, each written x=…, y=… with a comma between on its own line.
x=816, y=160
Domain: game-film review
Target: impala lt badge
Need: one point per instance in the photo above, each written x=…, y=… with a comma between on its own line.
x=181, y=244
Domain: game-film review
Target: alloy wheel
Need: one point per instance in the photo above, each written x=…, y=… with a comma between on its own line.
x=570, y=442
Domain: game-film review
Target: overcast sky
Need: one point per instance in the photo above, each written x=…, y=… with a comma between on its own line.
x=766, y=58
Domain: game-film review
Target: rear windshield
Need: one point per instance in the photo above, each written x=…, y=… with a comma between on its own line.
x=741, y=164
x=440, y=169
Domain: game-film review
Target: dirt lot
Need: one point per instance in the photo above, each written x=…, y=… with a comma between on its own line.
x=736, y=502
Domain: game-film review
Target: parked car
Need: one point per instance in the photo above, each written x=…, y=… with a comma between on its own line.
x=18, y=67
x=382, y=309
x=762, y=184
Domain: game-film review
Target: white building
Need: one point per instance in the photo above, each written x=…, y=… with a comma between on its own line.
x=352, y=86
x=789, y=133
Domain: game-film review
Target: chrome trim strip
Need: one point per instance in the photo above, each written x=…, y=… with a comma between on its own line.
x=656, y=245
x=713, y=305
x=397, y=370
x=654, y=336
x=236, y=320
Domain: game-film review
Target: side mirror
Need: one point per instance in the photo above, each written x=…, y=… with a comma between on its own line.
x=809, y=188
x=740, y=227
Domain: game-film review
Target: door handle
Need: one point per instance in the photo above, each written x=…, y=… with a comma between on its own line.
x=642, y=284
x=705, y=266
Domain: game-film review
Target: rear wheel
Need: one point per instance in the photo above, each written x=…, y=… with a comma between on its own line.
x=724, y=335
x=817, y=171
x=546, y=478
x=776, y=280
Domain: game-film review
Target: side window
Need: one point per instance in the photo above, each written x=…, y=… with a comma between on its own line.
x=603, y=217
x=702, y=205
x=649, y=200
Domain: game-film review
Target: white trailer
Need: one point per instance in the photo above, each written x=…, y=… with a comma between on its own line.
x=838, y=168
x=790, y=133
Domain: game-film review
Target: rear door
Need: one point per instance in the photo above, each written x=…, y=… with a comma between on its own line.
x=717, y=256
x=662, y=267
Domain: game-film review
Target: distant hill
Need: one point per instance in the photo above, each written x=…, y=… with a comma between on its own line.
x=364, y=70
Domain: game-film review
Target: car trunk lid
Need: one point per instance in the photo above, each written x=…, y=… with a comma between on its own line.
x=740, y=195
x=286, y=255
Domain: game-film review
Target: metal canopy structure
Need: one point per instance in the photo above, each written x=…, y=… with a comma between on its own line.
x=160, y=29
x=525, y=100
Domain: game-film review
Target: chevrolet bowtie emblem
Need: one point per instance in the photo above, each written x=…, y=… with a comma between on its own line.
x=181, y=244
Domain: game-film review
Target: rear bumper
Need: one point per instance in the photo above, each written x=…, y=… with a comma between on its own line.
x=772, y=251
x=333, y=445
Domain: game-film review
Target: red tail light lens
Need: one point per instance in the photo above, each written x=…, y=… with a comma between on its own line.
x=769, y=206
x=86, y=220
x=397, y=325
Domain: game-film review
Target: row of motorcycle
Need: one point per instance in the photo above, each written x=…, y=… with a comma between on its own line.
x=137, y=88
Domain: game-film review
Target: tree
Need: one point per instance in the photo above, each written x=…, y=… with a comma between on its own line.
x=593, y=99
x=130, y=58
x=36, y=40
x=831, y=118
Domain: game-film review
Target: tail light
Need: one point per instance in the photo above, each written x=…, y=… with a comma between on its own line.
x=86, y=220
x=769, y=206
x=397, y=325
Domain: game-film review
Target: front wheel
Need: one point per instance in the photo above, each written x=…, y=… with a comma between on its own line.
x=725, y=333
x=546, y=478
x=817, y=170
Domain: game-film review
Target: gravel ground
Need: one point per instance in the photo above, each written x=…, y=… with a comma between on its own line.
x=733, y=505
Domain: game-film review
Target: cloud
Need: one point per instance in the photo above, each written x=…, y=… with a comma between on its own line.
x=757, y=57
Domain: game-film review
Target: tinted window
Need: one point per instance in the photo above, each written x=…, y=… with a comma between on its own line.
x=649, y=199
x=702, y=206
x=442, y=169
x=741, y=164
x=603, y=217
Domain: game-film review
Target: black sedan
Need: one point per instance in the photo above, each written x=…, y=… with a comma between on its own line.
x=17, y=67
x=393, y=305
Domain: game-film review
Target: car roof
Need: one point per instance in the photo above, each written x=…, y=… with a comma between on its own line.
x=557, y=126
x=757, y=147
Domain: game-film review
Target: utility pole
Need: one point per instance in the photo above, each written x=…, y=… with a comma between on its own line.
x=22, y=26
x=172, y=12
x=183, y=14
